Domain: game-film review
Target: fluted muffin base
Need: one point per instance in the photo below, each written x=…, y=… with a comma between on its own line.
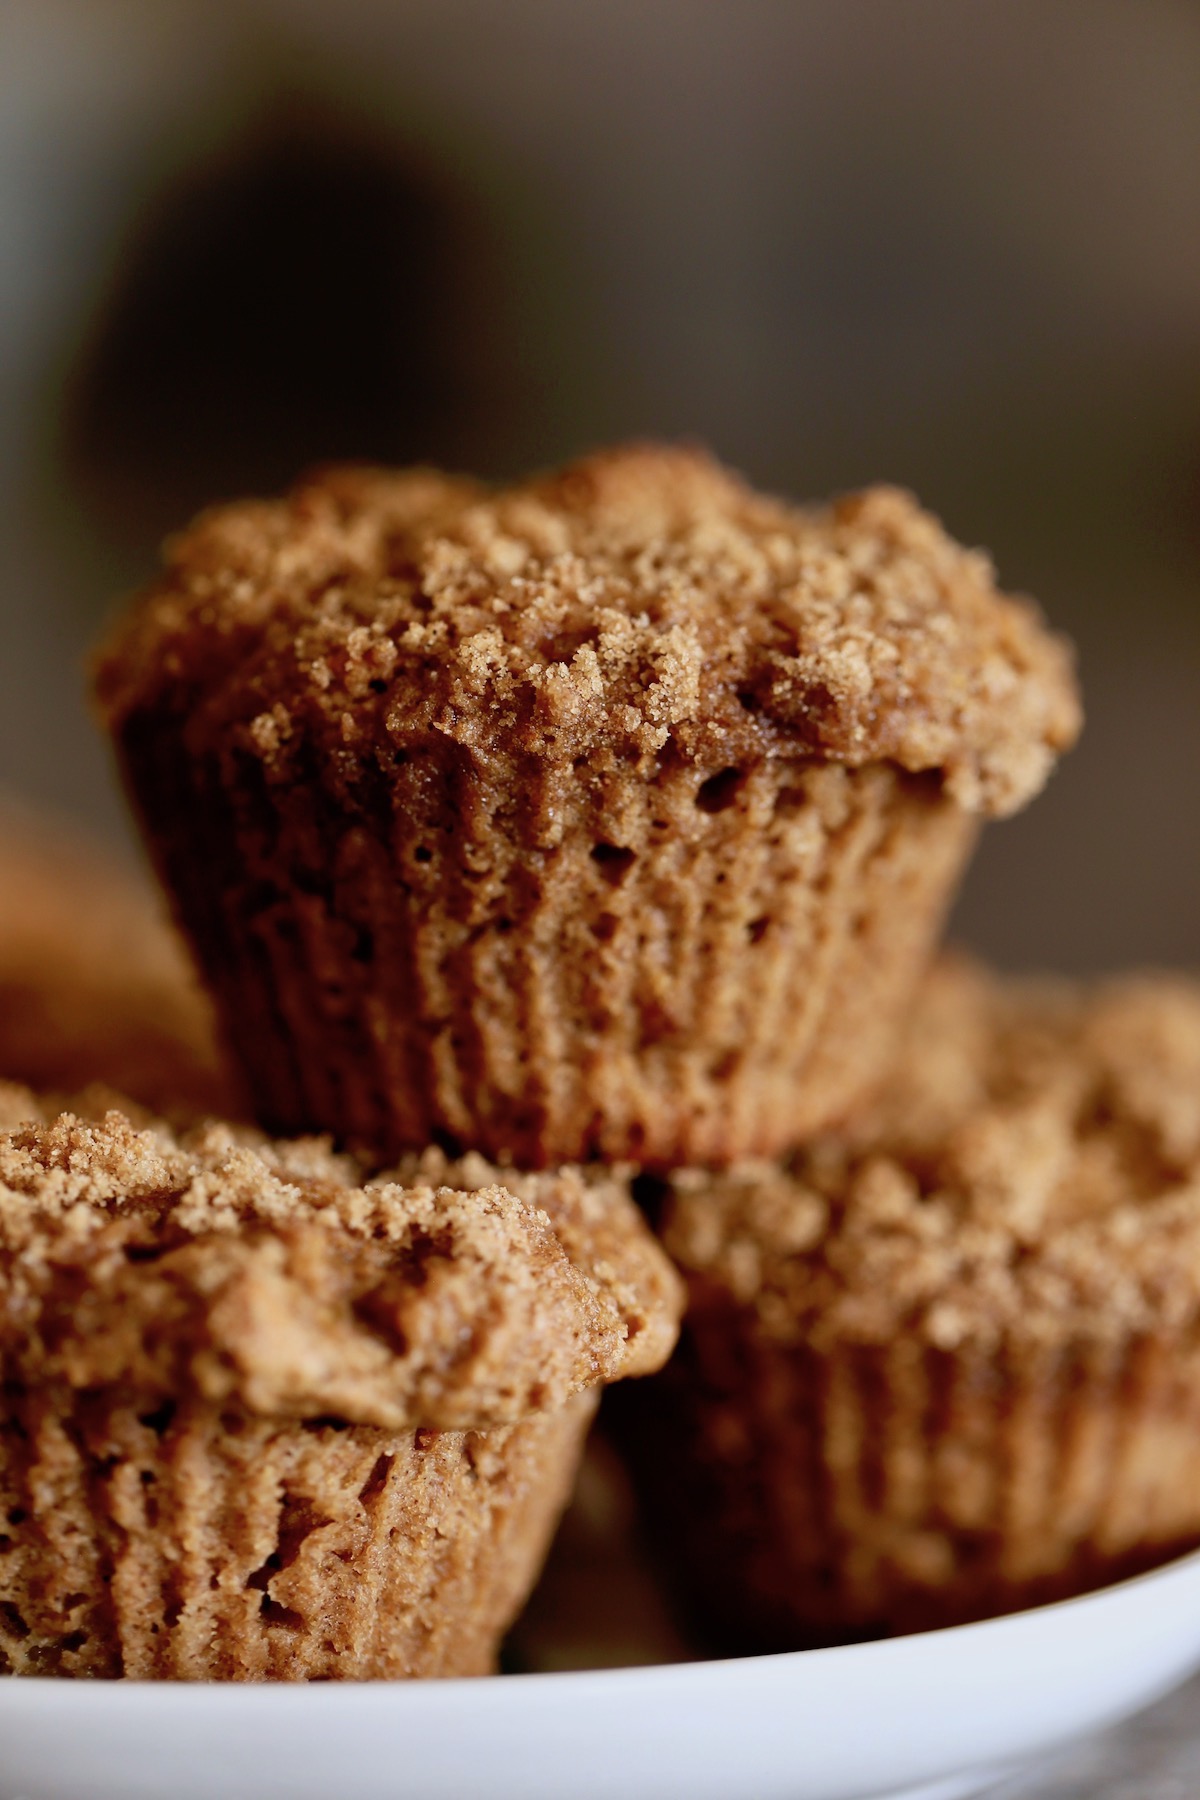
x=194, y=1544
x=797, y=1498
x=666, y=970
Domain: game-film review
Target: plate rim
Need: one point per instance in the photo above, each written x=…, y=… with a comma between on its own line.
x=695, y=1670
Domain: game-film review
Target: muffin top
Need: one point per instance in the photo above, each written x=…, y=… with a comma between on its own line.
x=1031, y=1172
x=640, y=600
x=220, y=1265
x=94, y=985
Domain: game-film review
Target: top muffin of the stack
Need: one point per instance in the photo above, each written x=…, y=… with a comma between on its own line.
x=640, y=599
x=610, y=815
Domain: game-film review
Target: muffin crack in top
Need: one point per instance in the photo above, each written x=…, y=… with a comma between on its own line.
x=640, y=600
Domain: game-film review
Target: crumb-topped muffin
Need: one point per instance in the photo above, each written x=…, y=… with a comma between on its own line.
x=612, y=814
x=261, y=1421
x=94, y=985
x=949, y=1364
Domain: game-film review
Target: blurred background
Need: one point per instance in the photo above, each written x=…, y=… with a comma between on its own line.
x=951, y=245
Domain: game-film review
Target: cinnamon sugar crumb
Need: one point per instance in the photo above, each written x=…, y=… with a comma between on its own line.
x=639, y=598
x=219, y=1264
x=1031, y=1170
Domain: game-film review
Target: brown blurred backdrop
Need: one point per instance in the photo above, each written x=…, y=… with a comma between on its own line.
x=952, y=244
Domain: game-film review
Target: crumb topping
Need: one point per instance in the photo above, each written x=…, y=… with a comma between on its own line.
x=638, y=599
x=267, y=1274
x=1031, y=1172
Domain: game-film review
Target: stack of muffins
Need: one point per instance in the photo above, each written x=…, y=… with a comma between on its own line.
x=603, y=827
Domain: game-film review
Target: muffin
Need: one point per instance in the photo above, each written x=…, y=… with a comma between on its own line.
x=261, y=1421
x=947, y=1364
x=94, y=984
x=608, y=816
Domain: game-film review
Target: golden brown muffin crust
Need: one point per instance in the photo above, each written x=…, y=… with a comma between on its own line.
x=1030, y=1173
x=220, y=1265
x=640, y=598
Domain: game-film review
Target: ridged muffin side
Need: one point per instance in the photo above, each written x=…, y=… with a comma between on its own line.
x=201, y=1543
x=612, y=815
x=665, y=981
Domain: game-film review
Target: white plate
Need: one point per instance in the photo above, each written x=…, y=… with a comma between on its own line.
x=931, y=1717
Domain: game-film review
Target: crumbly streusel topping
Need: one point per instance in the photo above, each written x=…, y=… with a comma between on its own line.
x=1032, y=1170
x=266, y=1274
x=639, y=598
